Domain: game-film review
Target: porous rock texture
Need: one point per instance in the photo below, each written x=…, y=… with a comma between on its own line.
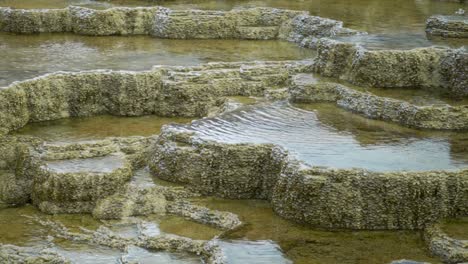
x=329, y=198
x=455, y=26
x=209, y=250
x=15, y=254
x=306, y=89
x=164, y=91
x=450, y=250
x=240, y=23
x=426, y=68
x=241, y=171
x=15, y=179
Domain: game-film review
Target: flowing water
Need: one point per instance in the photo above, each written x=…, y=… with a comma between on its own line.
x=319, y=134
x=324, y=135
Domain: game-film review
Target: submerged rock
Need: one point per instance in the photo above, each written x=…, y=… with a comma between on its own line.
x=323, y=197
x=305, y=90
x=449, y=249
x=241, y=23
x=455, y=26
x=15, y=254
x=425, y=68
x=165, y=91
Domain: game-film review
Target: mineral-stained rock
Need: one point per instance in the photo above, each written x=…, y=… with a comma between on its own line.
x=224, y=220
x=24, y=255
x=74, y=186
x=449, y=249
x=329, y=198
x=306, y=89
x=209, y=250
x=448, y=26
x=15, y=179
x=164, y=91
x=241, y=23
x=359, y=199
x=240, y=171
x=253, y=23
x=426, y=68
x=454, y=67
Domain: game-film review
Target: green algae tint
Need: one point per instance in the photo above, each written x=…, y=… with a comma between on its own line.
x=182, y=227
x=304, y=245
x=29, y=56
x=99, y=127
x=391, y=23
x=368, y=15
x=456, y=228
x=416, y=96
x=17, y=227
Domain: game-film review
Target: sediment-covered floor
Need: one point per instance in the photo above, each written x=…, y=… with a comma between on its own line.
x=238, y=133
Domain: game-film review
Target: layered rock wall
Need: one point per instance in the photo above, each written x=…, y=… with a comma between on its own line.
x=328, y=198
x=426, y=117
x=164, y=91
x=250, y=23
x=447, y=26
x=240, y=171
x=426, y=68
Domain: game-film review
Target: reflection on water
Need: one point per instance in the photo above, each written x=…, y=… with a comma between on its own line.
x=375, y=16
x=16, y=227
x=323, y=135
x=304, y=245
x=28, y=56
x=260, y=237
x=98, y=127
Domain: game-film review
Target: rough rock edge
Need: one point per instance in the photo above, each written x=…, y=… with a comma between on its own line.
x=165, y=91
x=239, y=23
x=444, y=117
x=447, y=26
x=449, y=249
x=103, y=236
x=432, y=68
x=15, y=254
x=322, y=197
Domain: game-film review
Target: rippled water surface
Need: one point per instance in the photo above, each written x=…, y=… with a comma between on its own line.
x=324, y=135
x=28, y=56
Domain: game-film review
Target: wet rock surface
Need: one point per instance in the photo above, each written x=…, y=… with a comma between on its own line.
x=451, y=250
x=448, y=26
x=306, y=89
x=101, y=177
x=165, y=91
x=311, y=195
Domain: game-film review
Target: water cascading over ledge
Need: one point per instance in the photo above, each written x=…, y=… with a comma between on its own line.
x=323, y=197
